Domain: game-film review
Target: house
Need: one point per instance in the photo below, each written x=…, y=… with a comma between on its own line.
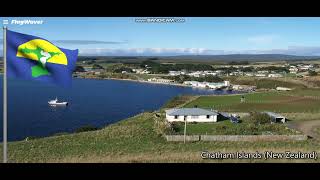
x=275, y=75
x=283, y=89
x=196, y=74
x=218, y=85
x=141, y=71
x=248, y=74
x=244, y=88
x=276, y=117
x=261, y=75
x=293, y=69
x=191, y=115
x=202, y=85
x=160, y=80
x=174, y=73
x=192, y=83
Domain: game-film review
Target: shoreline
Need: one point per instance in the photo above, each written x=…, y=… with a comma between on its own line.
x=170, y=84
x=139, y=81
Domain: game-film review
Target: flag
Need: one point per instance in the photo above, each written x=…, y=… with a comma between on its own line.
x=34, y=58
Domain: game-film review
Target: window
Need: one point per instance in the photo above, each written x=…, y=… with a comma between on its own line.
x=176, y=117
x=194, y=117
x=208, y=116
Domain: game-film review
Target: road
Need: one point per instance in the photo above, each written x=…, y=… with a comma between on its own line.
x=307, y=127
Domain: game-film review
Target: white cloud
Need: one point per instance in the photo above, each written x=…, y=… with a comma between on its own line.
x=291, y=50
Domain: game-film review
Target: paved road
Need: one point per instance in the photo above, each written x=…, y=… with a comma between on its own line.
x=307, y=127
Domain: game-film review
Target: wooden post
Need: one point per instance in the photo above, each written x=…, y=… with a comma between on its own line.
x=185, y=129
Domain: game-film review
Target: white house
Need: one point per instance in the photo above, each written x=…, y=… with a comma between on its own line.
x=293, y=69
x=160, y=80
x=261, y=75
x=275, y=75
x=191, y=115
x=192, y=83
x=283, y=89
x=174, y=73
x=218, y=85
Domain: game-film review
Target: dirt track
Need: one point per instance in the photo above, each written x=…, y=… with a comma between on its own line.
x=307, y=127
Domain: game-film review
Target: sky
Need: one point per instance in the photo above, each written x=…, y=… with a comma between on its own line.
x=123, y=36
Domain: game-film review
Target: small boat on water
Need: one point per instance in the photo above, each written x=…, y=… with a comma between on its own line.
x=56, y=103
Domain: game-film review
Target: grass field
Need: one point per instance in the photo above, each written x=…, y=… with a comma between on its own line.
x=282, y=102
x=134, y=140
x=267, y=83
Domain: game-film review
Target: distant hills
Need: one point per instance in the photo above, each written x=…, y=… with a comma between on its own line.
x=211, y=58
x=206, y=58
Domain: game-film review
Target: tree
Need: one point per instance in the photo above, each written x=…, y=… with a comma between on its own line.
x=259, y=118
x=97, y=66
x=312, y=73
x=79, y=69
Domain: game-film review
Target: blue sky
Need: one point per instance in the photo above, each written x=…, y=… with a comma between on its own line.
x=124, y=36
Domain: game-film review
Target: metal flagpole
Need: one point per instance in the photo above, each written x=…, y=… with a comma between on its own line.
x=5, y=94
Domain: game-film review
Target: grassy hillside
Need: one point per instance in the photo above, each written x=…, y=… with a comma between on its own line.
x=134, y=140
x=295, y=102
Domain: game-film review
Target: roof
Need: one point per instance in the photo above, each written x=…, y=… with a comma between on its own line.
x=189, y=111
x=272, y=114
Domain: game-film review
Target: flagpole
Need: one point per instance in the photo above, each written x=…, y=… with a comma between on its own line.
x=5, y=94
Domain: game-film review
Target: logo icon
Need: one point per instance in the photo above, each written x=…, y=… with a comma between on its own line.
x=43, y=52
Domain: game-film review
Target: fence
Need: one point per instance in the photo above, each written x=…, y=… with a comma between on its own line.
x=251, y=138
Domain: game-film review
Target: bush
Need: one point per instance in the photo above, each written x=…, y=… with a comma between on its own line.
x=312, y=73
x=60, y=134
x=258, y=118
x=162, y=127
x=86, y=128
x=79, y=69
x=31, y=138
x=97, y=66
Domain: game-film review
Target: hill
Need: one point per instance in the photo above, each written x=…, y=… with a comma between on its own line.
x=206, y=58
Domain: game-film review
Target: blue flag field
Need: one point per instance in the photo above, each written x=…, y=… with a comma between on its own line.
x=34, y=58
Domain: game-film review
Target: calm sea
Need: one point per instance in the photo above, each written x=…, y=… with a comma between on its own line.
x=92, y=102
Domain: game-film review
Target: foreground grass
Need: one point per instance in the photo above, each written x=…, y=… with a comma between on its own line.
x=134, y=140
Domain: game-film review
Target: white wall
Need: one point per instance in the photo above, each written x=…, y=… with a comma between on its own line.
x=203, y=118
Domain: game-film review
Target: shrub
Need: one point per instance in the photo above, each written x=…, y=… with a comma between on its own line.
x=161, y=126
x=86, y=128
x=31, y=138
x=60, y=134
x=258, y=118
x=97, y=66
x=312, y=73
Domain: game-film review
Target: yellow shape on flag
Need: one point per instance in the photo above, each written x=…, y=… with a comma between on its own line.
x=38, y=47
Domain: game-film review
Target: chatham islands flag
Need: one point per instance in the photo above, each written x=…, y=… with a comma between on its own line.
x=34, y=58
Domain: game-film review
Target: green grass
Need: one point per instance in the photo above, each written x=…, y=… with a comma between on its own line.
x=134, y=140
x=266, y=101
x=178, y=100
x=265, y=83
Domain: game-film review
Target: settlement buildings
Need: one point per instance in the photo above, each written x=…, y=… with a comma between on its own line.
x=210, y=85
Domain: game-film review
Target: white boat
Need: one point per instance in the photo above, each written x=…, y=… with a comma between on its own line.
x=56, y=103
